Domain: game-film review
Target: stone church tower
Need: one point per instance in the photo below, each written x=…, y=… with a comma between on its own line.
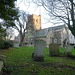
x=36, y=20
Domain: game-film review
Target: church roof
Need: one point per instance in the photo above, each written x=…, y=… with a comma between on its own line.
x=55, y=27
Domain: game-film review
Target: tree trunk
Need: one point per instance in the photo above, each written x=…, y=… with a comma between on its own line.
x=21, y=40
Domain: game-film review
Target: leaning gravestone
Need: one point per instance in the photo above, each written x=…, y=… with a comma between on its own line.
x=40, y=45
x=68, y=50
x=53, y=50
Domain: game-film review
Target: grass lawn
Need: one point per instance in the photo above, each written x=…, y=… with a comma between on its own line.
x=19, y=62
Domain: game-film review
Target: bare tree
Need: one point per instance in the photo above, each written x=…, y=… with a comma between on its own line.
x=62, y=9
x=21, y=26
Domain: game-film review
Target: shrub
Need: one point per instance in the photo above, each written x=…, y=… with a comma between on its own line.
x=8, y=44
x=1, y=43
x=11, y=43
x=5, y=44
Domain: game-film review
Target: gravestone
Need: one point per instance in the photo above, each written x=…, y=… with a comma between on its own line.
x=39, y=50
x=68, y=50
x=53, y=50
x=40, y=45
x=16, y=45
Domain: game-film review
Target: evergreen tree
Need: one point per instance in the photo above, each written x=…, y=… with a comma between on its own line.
x=8, y=12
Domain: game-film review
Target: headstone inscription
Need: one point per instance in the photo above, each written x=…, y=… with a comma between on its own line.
x=40, y=45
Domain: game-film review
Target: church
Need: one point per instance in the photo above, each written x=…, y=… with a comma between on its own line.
x=57, y=34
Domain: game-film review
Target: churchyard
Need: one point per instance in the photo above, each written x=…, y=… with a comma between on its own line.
x=52, y=51
x=19, y=62
x=39, y=60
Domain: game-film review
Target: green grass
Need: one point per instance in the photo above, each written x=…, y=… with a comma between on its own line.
x=19, y=62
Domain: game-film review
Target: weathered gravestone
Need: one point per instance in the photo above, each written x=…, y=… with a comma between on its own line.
x=68, y=50
x=53, y=50
x=16, y=44
x=39, y=50
x=40, y=45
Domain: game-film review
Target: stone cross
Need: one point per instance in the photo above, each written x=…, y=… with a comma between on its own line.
x=40, y=45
